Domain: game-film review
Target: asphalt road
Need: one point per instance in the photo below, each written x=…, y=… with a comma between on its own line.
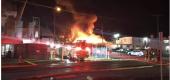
x=99, y=70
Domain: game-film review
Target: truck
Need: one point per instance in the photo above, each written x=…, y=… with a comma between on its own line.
x=82, y=50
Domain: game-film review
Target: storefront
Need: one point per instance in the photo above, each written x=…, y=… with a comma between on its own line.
x=7, y=50
x=8, y=45
x=100, y=52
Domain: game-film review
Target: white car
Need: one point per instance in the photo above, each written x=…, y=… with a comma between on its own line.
x=136, y=53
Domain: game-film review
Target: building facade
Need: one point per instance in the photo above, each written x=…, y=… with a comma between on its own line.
x=139, y=42
x=19, y=39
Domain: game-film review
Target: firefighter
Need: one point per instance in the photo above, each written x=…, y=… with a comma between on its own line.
x=158, y=56
x=155, y=55
x=149, y=54
x=146, y=54
x=152, y=54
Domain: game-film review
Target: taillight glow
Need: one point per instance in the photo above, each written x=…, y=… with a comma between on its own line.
x=78, y=48
x=68, y=47
x=47, y=43
x=57, y=46
x=87, y=49
x=52, y=45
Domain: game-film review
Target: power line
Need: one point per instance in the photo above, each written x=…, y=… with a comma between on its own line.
x=157, y=22
x=49, y=7
x=36, y=4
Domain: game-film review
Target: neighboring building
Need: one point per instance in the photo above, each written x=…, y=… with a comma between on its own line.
x=166, y=46
x=8, y=16
x=8, y=44
x=8, y=39
x=36, y=41
x=18, y=38
x=131, y=42
x=154, y=43
x=138, y=42
x=46, y=35
x=19, y=30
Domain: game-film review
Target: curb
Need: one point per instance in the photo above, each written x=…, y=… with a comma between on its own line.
x=29, y=62
x=26, y=64
x=16, y=66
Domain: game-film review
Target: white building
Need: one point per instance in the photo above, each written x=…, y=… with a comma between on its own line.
x=138, y=42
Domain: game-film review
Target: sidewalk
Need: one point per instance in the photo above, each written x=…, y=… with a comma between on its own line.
x=137, y=58
x=98, y=59
x=14, y=63
x=27, y=63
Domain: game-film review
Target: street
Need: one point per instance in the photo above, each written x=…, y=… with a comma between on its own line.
x=97, y=70
x=85, y=40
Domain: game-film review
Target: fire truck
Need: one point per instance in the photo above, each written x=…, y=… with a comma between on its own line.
x=82, y=50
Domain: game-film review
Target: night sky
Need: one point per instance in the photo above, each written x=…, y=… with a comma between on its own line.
x=128, y=17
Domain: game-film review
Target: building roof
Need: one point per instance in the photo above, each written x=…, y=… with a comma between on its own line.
x=10, y=40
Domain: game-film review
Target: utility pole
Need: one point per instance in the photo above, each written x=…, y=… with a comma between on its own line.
x=160, y=39
x=102, y=31
x=161, y=52
x=21, y=13
x=54, y=26
x=157, y=23
x=20, y=59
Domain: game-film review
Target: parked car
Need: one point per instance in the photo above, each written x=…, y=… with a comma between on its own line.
x=136, y=53
x=66, y=59
x=122, y=50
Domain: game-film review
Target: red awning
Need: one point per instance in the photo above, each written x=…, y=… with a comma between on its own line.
x=10, y=40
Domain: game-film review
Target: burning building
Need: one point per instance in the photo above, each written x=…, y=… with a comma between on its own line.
x=82, y=28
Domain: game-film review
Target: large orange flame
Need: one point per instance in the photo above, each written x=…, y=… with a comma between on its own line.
x=82, y=29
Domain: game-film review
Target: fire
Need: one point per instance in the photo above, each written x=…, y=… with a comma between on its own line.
x=94, y=39
x=82, y=29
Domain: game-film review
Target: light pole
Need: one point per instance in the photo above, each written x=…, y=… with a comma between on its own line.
x=116, y=36
x=145, y=41
x=57, y=9
x=157, y=23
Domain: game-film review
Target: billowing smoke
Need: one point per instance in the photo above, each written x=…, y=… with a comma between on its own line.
x=84, y=23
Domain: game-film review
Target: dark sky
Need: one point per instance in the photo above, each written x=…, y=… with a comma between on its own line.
x=128, y=17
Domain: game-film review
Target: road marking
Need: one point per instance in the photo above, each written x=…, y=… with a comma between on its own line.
x=123, y=59
x=30, y=62
x=126, y=68
x=41, y=60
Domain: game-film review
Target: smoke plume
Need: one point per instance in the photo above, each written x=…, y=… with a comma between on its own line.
x=84, y=22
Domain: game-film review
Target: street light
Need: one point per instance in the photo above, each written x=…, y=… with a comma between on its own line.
x=145, y=40
x=116, y=36
x=58, y=9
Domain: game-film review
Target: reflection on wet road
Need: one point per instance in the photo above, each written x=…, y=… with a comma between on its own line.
x=88, y=70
